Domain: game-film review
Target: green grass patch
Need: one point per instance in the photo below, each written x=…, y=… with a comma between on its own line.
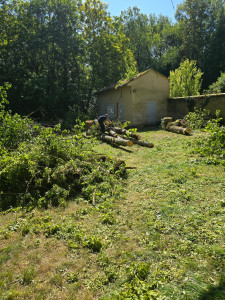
x=158, y=234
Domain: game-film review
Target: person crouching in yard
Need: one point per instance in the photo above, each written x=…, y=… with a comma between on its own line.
x=101, y=120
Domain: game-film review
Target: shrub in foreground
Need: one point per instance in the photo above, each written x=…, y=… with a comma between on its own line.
x=212, y=145
x=52, y=168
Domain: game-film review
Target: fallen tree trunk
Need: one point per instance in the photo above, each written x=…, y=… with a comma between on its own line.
x=127, y=132
x=177, y=129
x=142, y=143
x=181, y=123
x=118, y=141
x=112, y=133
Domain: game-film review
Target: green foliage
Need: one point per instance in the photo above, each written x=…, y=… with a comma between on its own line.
x=212, y=146
x=48, y=166
x=167, y=242
x=218, y=86
x=93, y=243
x=201, y=24
x=198, y=119
x=3, y=98
x=57, y=61
x=14, y=129
x=136, y=285
x=108, y=219
x=28, y=276
x=51, y=169
x=153, y=40
x=72, y=277
x=139, y=270
x=136, y=289
x=186, y=80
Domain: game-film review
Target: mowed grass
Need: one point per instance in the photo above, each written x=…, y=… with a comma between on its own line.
x=161, y=235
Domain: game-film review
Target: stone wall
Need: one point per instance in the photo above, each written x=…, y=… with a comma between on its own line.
x=181, y=106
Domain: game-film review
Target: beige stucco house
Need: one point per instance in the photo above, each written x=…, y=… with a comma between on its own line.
x=141, y=100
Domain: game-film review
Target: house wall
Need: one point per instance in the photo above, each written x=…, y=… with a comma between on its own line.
x=150, y=87
x=119, y=97
x=180, y=107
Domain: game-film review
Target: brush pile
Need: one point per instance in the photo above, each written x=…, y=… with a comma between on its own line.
x=178, y=126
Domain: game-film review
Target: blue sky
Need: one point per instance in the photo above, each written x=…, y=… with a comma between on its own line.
x=164, y=7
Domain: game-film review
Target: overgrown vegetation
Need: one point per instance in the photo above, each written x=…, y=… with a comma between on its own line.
x=212, y=146
x=198, y=119
x=47, y=166
x=218, y=86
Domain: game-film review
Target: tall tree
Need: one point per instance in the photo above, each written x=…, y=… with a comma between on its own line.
x=108, y=57
x=201, y=23
x=137, y=29
x=215, y=58
x=42, y=56
x=186, y=80
x=154, y=40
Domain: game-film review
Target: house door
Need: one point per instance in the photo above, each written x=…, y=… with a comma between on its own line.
x=151, y=112
x=121, y=113
x=111, y=111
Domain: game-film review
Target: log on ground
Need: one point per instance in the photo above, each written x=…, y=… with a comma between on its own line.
x=178, y=129
x=112, y=133
x=127, y=132
x=142, y=143
x=181, y=123
x=118, y=140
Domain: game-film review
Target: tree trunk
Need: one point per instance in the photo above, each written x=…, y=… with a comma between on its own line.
x=142, y=143
x=127, y=132
x=118, y=141
x=177, y=129
x=112, y=133
x=181, y=122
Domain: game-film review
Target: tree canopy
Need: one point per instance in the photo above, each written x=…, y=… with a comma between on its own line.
x=186, y=80
x=57, y=54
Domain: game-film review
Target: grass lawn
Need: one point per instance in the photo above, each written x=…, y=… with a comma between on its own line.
x=161, y=236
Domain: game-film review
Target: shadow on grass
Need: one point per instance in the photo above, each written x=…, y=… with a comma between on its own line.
x=148, y=128
x=121, y=148
x=215, y=292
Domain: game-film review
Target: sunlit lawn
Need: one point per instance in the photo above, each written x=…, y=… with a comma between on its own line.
x=161, y=235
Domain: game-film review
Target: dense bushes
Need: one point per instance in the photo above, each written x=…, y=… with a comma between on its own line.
x=212, y=144
x=41, y=166
x=51, y=168
x=198, y=118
